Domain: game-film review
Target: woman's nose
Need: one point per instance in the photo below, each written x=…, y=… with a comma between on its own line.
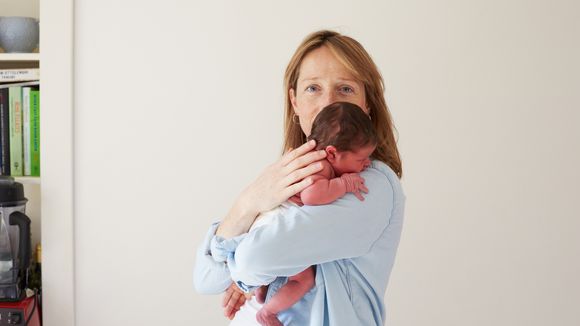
x=328, y=99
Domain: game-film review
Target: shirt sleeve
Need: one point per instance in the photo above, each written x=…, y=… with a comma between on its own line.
x=210, y=276
x=311, y=235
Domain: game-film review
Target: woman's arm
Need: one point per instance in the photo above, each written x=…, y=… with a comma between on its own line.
x=210, y=276
x=280, y=181
x=312, y=235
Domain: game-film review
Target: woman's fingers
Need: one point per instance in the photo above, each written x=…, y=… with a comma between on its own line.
x=297, y=187
x=302, y=173
x=241, y=302
x=304, y=160
x=293, y=154
x=227, y=296
x=232, y=303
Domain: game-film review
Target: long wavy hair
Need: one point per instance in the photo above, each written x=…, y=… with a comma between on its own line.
x=355, y=58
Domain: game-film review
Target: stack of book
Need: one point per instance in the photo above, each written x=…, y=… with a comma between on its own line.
x=19, y=122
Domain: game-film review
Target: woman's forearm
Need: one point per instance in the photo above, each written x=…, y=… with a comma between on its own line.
x=237, y=221
x=278, y=182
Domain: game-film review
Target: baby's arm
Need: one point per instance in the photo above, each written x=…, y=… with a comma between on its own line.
x=325, y=190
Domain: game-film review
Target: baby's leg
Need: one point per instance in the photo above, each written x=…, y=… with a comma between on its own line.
x=288, y=295
x=261, y=293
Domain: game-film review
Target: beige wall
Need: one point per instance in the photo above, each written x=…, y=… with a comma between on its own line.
x=178, y=106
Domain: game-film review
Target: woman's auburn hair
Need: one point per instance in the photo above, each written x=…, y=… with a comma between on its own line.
x=355, y=58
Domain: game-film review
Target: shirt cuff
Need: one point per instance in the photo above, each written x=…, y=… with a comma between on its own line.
x=221, y=248
x=246, y=288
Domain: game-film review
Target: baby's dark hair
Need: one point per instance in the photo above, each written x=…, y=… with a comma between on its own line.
x=343, y=125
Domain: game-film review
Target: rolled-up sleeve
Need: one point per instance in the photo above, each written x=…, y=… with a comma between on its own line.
x=210, y=276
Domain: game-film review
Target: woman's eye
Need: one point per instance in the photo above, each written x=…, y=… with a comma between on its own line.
x=311, y=88
x=346, y=89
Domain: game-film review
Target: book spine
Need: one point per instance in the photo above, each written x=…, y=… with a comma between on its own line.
x=35, y=133
x=15, y=75
x=15, y=115
x=4, y=132
x=26, y=129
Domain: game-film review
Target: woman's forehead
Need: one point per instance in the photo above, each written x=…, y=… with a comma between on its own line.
x=322, y=64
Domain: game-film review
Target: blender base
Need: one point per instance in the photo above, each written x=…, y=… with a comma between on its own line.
x=16, y=312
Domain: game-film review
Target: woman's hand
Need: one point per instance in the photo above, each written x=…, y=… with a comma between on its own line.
x=278, y=182
x=233, y=300
x=285, y=178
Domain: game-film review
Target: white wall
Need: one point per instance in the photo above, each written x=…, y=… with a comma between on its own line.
x=179, y=105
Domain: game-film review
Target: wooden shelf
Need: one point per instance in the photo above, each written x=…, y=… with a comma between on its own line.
x=19, y=56
x=28, y=180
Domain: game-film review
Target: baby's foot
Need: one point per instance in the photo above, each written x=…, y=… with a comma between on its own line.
x=261, y=293
x=265, y=318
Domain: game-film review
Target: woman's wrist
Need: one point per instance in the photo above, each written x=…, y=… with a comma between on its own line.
x=237, y=221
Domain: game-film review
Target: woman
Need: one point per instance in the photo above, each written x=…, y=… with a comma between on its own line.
x=353, y=243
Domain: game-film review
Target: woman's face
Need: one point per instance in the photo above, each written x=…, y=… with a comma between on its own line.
x=323, y=80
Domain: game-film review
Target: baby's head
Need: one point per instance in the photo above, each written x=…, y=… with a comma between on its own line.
x=347, y=134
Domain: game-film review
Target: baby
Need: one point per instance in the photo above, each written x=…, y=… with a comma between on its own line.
x=347, y=135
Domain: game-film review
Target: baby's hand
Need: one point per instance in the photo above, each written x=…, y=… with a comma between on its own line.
x=354, y=183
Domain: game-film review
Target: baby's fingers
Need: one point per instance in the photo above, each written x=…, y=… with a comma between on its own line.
x=363, y=188
x=359, y=196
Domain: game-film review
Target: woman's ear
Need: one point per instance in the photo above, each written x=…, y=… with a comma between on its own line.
x=331, y=153
x=292, y=95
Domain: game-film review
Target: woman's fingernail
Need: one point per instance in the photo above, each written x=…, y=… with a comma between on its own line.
x=312, y=142
x=321, y=151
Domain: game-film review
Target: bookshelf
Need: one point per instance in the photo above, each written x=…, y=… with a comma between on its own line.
x=52, y=194
x=22, y=60
x=17, y=57
x=28, y=180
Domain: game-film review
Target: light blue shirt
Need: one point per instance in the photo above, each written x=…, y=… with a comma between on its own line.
x=352, y=243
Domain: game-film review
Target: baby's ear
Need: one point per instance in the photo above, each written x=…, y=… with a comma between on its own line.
x=330, y=153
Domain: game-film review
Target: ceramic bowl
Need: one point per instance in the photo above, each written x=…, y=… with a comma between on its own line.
x=18, y=34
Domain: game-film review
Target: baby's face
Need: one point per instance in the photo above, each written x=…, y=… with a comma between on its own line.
x=353, y=161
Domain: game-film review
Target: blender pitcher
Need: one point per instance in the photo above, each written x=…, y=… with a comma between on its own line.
x=15, y=248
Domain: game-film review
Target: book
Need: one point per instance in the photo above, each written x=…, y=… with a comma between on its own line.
x=26, y=129
x=4, y=133
x=15, y=125
x=23, y=74
x=35, y=132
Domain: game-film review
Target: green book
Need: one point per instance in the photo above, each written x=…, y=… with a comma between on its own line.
x=35, y=132
x=26, y=128
x=15, y=126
